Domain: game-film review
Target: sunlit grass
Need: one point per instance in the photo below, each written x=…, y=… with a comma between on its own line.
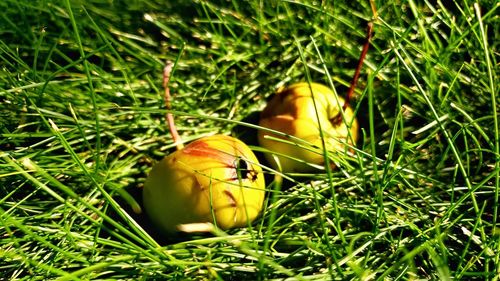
x=81, y=124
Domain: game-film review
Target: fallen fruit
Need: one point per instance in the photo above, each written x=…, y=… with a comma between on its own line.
x=314, y=114
x=292, y=111
x=215, y=179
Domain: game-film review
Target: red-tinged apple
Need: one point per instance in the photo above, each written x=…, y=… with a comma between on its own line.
x=314, y=114
x=292, y=111
x=215, y=179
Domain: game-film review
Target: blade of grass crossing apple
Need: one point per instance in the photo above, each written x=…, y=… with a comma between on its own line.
x=338, y=227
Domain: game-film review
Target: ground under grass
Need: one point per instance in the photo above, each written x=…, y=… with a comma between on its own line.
x=82, y=123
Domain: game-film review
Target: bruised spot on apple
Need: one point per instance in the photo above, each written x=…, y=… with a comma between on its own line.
x=293, y=112
x=212, y=179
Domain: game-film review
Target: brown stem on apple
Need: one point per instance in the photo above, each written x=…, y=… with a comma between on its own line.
x=355, y=78
x=369, y=31
x=168, y=98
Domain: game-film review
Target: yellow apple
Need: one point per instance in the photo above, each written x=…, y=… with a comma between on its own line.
x=215, y=179
x=292, y=112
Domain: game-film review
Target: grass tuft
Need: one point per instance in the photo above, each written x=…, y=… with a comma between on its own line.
x=81, y=124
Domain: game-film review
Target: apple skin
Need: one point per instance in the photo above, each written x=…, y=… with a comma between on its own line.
x=212, y=179
x=292, y=111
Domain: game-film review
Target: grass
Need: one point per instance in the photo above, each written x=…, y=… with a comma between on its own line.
x=82, y=122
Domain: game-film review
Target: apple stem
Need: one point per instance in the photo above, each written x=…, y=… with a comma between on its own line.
x=355, y=78
x=168, y=98
x=369, y=31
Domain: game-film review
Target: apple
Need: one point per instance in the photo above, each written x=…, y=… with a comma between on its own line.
x=315, y=115
x=215, y=179
x=292, y=112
